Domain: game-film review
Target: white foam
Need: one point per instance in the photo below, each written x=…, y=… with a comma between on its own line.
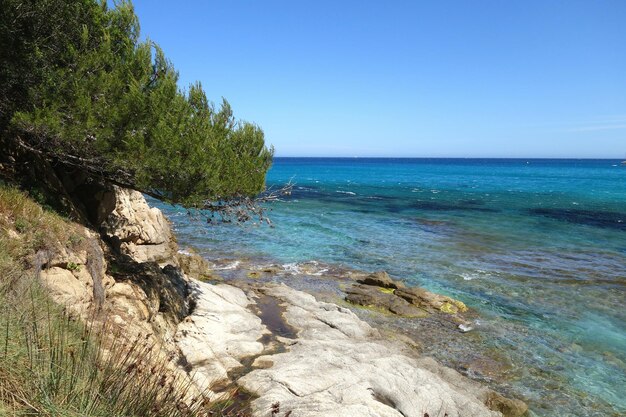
x=345, y=192
x=229, y=266
x=292, y=267
x=468, y=276
x=465, y=328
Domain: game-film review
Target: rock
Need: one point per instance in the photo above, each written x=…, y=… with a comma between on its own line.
x=272, y=269
x=141, y=232
x=161, y=253
x=64, y=257
x=431, y=301
x=66, y=289
x=166, y=289
x=369, y=296
x=219, y=333
x=131, y=302
x=507, y=406
x=380, y=279
x=195, y=266
x=339, y=366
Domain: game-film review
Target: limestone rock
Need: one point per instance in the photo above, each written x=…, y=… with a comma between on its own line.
x=166, y=288
x=138, y=230
x=66, y=289
x=219, y=333
x=161, y=252
x=339, y=367
x=130, y=302
x=64, y=257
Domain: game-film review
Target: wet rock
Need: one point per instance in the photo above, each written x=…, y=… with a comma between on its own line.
x=380, y=279
x=272, y=269
x=507, y=406
x=369, y=296
x=430, y=301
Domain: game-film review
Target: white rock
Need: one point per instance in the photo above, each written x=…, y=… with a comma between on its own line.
x=219, y=333
x=340, y=368
x=143, y=232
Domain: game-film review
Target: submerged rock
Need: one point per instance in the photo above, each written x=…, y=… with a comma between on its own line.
x=507, y=406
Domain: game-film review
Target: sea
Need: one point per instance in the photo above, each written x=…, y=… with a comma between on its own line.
x=537, y=247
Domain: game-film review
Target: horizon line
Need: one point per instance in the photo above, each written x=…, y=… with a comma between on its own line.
x=454, y=157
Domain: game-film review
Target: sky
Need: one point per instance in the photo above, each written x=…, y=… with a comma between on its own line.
x=409, y=78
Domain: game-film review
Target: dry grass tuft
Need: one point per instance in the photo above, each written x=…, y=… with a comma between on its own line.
x=53, y=365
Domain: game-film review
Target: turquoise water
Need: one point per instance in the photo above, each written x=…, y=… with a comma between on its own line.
x=537, y=247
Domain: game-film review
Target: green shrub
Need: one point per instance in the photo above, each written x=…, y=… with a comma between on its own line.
x=71, y=266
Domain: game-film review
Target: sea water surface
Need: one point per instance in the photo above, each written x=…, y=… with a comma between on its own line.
x=537, y=247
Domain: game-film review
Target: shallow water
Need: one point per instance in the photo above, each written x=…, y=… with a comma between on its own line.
x=538, y=247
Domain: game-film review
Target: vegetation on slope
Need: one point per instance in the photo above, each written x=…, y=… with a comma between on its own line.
x=79, y=89
x=53, y=365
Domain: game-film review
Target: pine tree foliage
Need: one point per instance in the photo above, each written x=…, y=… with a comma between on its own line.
x=78, y=86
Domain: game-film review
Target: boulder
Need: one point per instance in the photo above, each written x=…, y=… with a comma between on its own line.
x=369, y=296
x=137, y=230
x=380, y=279
x=195, y=266
x=430, y=301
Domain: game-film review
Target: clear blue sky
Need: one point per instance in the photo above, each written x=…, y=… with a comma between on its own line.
x=406, y=78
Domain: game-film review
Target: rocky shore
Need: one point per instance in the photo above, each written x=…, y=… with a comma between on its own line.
x=293, y=354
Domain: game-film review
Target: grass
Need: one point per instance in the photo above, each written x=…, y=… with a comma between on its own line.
x=54, y=365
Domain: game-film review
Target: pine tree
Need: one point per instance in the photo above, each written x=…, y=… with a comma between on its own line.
x=78, y=88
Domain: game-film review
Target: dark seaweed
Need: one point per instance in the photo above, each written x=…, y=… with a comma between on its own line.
x=604, y=219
